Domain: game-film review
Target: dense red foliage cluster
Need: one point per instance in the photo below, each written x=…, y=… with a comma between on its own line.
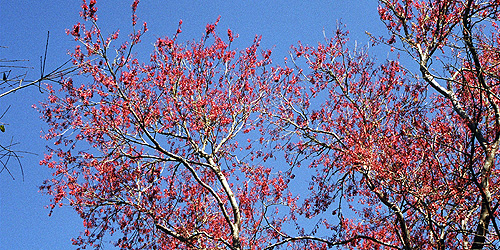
x=200, y=147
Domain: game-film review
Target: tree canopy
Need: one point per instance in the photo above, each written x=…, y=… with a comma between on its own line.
x=202, y=145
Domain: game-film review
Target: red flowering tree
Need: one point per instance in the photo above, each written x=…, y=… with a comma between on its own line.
x=147, y=152
x=405, y=160
x=200, y=147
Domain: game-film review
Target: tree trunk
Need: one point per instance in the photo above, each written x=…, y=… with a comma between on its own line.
x=482, y=227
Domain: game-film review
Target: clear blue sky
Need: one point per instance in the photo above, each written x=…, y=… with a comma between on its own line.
x=24, y=223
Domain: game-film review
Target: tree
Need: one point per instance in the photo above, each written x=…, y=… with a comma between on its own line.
x=162, y=164
x=200, y=147
x=466, y=34
x=413, y=156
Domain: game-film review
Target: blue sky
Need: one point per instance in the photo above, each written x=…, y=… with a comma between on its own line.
x=24, y=223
